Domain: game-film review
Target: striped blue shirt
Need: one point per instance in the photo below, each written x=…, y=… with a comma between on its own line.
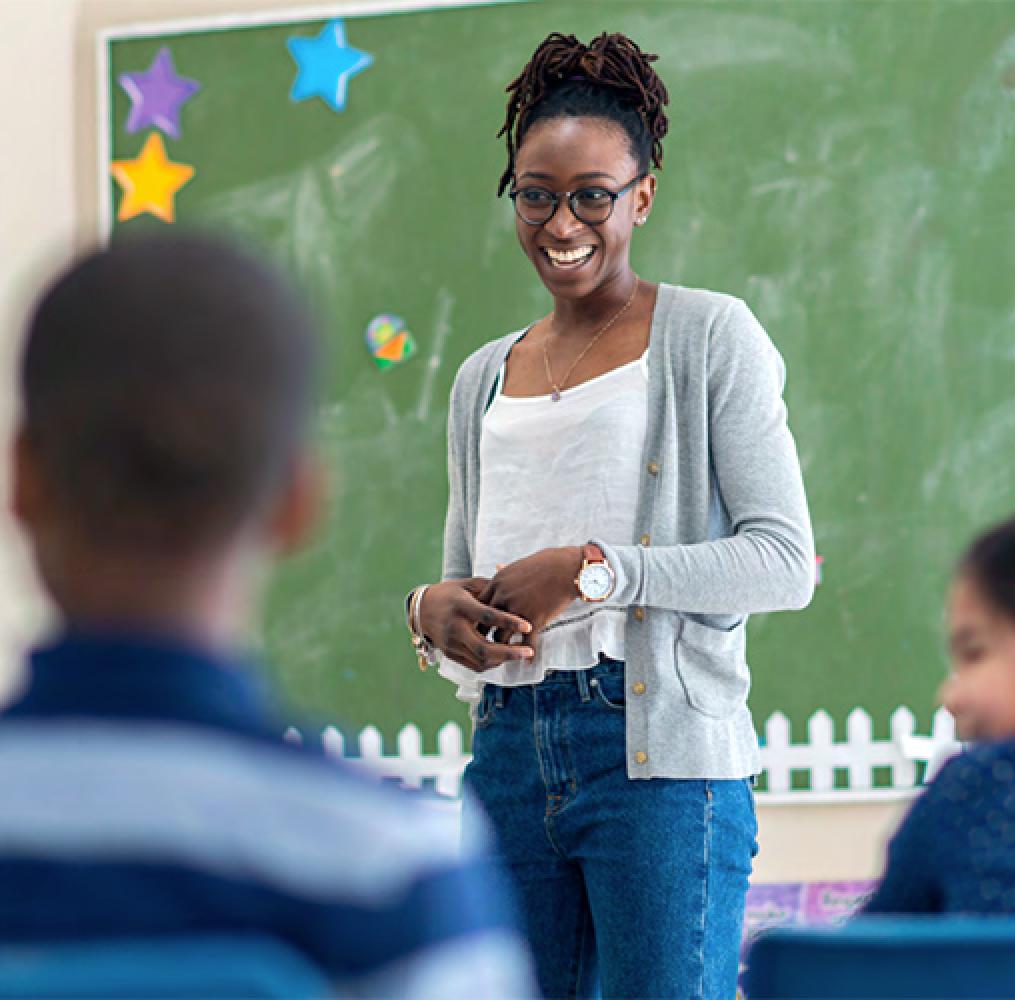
x=145, y=789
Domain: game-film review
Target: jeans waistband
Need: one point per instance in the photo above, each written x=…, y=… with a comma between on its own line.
x=603, y=668
x=578, y=679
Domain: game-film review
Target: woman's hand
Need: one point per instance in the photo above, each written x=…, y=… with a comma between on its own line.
x=538, y=587
x=454, y=619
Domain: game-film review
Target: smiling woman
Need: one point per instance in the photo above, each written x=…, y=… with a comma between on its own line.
x=624, y=491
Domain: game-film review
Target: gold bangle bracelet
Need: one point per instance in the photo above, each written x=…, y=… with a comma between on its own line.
x=420, y=644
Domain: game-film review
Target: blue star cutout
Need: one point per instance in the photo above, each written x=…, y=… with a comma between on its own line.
x=326, y=64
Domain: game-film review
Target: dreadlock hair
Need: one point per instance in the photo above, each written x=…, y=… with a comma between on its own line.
x=610, y=78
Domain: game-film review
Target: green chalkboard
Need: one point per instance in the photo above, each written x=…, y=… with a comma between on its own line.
x=848, y=168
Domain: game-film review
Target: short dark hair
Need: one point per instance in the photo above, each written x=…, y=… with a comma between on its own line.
x=990, y=564
x=167, y=381
x=610, y=78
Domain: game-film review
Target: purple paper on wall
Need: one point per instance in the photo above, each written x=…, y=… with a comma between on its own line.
x=787, y=903
x=773, y=906
x=834, y=902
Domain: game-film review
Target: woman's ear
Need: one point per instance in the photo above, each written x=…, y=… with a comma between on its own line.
x=644, y=195
x=300, y=507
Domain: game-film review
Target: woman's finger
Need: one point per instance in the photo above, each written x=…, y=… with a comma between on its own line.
x=488, y=594
x=479, y=655
x=460, y=654
x=487, y=618
x=487, y=655
x=475, y=585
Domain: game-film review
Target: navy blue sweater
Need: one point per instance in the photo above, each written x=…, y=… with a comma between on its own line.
x=955, y=850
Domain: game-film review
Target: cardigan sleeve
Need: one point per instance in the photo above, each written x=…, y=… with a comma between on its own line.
x=767, y=563
x=457, y=561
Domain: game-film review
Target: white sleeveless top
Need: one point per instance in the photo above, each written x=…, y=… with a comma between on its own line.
x=554, y=474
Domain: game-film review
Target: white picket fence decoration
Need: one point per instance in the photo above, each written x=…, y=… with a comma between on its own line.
x=858, y=755
x=819, y=757
x=410, y=765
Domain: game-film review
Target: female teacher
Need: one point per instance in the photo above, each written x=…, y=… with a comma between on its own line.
x=624, y=491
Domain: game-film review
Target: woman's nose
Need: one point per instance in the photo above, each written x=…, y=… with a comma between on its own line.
x=564, y=223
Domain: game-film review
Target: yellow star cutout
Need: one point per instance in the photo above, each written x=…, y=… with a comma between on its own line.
x=150, y=181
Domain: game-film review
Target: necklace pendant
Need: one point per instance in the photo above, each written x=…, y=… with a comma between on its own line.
x=555, y=395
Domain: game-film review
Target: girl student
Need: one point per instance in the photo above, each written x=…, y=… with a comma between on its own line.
x=955, y=850
x=624, y=491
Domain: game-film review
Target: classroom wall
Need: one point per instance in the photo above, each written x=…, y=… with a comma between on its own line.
x=48, y=164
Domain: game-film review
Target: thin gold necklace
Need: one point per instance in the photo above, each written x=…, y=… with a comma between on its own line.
x=558, y=388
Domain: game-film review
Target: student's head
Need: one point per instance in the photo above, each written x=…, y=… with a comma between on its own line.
x=980, y=692
x=583, y=117
x=166, y=385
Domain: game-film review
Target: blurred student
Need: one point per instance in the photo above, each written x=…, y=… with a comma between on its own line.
x=160, y=463
x=955, y=851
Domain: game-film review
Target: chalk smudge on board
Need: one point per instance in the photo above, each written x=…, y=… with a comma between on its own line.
x=442, y=328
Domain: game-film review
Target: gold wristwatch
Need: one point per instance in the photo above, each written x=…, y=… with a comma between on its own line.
x=596, y=580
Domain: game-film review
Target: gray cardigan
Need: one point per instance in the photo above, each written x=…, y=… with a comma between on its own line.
x=723, y=528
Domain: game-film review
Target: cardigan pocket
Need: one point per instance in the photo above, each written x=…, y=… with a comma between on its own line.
x=712, y=666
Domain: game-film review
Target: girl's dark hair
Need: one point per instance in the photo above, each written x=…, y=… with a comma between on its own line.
x=609, y=78
x=990, y=564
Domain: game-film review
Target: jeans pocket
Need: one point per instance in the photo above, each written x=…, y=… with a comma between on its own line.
x=753, y=815
x=485, y=708
x=610, y=691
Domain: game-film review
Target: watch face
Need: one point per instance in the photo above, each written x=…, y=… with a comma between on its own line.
x=596, y=582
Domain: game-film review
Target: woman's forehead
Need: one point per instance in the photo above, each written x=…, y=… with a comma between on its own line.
x=575, y=146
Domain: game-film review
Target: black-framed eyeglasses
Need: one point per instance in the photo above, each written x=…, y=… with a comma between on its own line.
x=592, y=205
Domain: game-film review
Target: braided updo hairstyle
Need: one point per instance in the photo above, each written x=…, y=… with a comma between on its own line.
x=610, y=78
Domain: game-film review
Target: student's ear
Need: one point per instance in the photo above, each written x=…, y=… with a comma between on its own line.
x=27, y=496
x=300, y=508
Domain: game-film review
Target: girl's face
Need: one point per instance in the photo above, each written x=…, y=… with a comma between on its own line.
x=565, y=154
x=980, y=692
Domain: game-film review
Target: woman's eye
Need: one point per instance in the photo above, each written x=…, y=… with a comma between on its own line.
x=593, y=196
x=534, y=196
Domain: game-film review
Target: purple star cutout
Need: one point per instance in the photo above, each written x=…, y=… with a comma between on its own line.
x=157, y=95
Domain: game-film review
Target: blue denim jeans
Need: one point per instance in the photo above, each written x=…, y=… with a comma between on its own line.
x=631, y=888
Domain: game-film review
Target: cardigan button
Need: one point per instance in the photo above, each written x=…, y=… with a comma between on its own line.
x=639, y=614
x=641, y=757
x=645, y=539
x=653, y=468
x=638, y=688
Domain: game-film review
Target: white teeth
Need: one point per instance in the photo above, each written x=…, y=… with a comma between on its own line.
x=569, y=256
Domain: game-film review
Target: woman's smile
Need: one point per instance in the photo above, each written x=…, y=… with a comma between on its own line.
x=570, y=259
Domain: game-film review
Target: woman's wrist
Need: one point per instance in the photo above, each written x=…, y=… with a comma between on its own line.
x=420, y=599
x=575, y=557
x=425, y=650
x=420, y=594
